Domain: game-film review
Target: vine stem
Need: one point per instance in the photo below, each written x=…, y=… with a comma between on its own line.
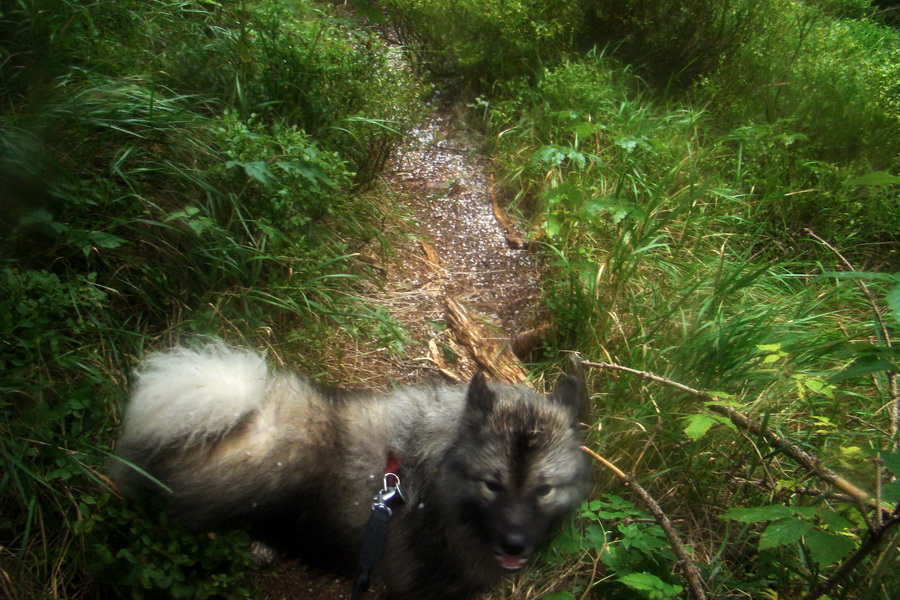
x=868, y=545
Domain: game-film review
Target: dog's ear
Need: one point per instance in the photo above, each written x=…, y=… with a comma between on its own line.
x=479, y=398
x=571, y=391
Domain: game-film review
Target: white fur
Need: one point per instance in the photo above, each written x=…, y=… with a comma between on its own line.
x=189, y=393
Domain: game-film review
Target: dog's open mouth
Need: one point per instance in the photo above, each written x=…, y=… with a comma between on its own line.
x=511, y=563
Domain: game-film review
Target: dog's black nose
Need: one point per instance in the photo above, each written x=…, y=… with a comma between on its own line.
x=514, y=544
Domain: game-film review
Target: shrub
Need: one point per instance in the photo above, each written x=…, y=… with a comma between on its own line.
x=673, y=42
x=480, y=43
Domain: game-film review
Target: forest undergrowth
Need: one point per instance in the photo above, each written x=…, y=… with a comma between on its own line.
x=713, y=188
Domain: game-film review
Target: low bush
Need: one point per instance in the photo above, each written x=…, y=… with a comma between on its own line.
x=474, y=45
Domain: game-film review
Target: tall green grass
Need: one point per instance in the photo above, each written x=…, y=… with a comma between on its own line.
x=807, y=98
x=469, y=46
x=167, y=168
x=665, y=260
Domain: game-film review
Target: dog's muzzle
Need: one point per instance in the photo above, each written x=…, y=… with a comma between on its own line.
x=513, y=552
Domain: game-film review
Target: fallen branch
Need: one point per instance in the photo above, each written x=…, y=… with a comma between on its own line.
x=514, y=239
x=490, y=354
x=685, y=562
x=876, y=534
x=803, y=458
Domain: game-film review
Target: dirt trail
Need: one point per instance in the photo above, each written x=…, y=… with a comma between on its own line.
x=460, y=263
x=465, y=254
x=444, y=181
x=461, y=257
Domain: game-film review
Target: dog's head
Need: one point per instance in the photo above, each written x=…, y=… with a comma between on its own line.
x=515, y=469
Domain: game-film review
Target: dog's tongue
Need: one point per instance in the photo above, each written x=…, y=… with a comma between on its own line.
x=511, y=563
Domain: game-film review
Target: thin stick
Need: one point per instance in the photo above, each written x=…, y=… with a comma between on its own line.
x=803, y=458
x=685, y=562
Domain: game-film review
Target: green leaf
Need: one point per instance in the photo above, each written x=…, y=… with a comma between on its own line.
x=759, y=513
x=105, y=240
x=552, y=228
x=722, y=399
x=892, y=462
x=257, y=170
x=864, y=365
x=617, y=209
x=641, y=581
x=875, y=178
x=698, y=425
x=41, y=217
x=595, y=534
x=835, y=521
x=563, y=191
x=807, y=512
x=828, y=548
x=819, y=386
x=647, y=582
x=891, y=492
x=893, y=301
x=550, y=155
x=783, y=531
x=583, y=130
x=188, y=212
x=313, y=173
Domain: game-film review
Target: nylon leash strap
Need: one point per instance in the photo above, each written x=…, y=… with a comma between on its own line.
x=376, y=533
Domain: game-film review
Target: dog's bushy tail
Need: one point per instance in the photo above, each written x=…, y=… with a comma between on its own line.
x=185, y=394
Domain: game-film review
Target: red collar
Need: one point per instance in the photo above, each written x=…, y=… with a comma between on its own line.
x=393, y=464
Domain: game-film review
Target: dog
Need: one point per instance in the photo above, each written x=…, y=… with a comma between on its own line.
x=487, y=470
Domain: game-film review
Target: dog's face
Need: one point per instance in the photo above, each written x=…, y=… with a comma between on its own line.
x=515, y=470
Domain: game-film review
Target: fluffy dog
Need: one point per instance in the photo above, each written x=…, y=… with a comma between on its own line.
x=487, y=470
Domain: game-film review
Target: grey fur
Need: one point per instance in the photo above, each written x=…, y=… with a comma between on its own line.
x=488, y=470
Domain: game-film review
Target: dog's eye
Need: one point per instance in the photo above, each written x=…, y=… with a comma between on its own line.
x=493, y=486
x=543, y=490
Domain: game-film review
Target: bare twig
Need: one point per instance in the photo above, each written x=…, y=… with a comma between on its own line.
x=805, y=459
x=513, y=237
x=685, y=562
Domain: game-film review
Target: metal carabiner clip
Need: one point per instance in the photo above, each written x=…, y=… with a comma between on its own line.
x=390, y=490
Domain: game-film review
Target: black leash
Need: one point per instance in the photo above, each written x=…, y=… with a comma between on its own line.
x=376, y=533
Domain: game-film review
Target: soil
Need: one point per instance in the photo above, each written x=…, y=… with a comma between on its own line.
x=460, y=252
